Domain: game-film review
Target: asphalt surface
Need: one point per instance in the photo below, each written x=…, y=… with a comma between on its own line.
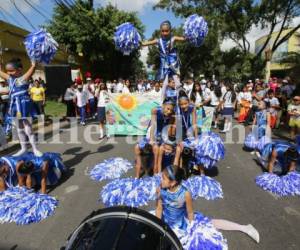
x=276, y=219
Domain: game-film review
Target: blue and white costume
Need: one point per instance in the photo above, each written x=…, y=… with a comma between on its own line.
x=171, y=94
x=55, y=170
x=169, y=61
x=261, y=121
x=200, y=234
x=286, y=185
x=186, y=121
x=11, y=162
x=20, y=102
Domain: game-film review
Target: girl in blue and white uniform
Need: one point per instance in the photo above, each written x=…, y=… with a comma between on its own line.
x=20, y=102
x=195, y=231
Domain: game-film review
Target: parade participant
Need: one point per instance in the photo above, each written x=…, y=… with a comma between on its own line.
x=167, y=153
x=162, y=119
x=169, y=61
x=8, y=175
x=146, y=162
x=90, y=88
x=46, y=169
x=281, y=159
x=171, y=92
x=20, y=103
x=195, y=231
x=262, y=120
x=103, y=99
x=81, y=101
x=186, y=118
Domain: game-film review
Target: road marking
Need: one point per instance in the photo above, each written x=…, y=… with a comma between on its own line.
x=86, y=171
x=71, y=189
x=292, y=211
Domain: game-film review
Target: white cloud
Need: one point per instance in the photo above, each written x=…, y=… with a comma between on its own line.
x=130, y=5
x=254, y=34
x=22, y=5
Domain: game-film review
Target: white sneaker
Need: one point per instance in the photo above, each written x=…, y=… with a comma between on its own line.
x=37, y=153
x=253, y=233
x=20, y=152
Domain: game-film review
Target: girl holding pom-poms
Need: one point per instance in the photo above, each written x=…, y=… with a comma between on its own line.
x=170, y=63
x=195, y=231
x=20, y=102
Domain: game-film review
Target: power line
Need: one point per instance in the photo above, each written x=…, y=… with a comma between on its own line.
x=10, y=16
x=13, y=2
x=36, y=9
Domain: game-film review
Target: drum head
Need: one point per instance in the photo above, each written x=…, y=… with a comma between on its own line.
x=123, y=228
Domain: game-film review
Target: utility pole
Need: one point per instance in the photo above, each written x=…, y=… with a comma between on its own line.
x=91, y=3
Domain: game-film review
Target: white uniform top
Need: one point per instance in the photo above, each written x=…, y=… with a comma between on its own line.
x=82, y=98
x=206, y=94
x=155, y=93
x=228, y=100
x=214, y=99
x=125, y=90
x=119, y=87
x=273, y=102
x=103, y=98
x=245, y=96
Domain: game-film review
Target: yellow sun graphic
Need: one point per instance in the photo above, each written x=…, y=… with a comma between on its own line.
x=127, y=102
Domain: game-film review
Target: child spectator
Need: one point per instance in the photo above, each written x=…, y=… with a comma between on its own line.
x=294, y=112
x=81, y=101
x=273, y=105
x=37, y=93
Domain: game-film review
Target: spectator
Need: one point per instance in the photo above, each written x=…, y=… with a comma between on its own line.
x=257, y=95
x=245, y=100
x=114, y=86
x=288, y=87
x=37, y=93
x=140, y=87
x=273, y=106
x=294, y=112
x=156, y=91
x=215, y=98
x=273, y=84
x=4, y=98
x=69, y=100
x=119, y=86
x=188, y=86
x=109, y=86
x=126, y=87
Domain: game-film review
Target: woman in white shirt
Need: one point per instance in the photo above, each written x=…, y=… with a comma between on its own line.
x=103, y=100
x=69, y=100
x=196, y=97
x=126, y=88
x=227, y=107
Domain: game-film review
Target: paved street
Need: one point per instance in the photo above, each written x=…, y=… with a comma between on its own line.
x=277, y=219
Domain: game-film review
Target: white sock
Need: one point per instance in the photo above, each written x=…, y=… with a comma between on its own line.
x=32, y=141
x=228, y=126
x=23, y=143
x=101, y=132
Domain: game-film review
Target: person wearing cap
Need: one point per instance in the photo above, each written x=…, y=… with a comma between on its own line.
x=294, y=113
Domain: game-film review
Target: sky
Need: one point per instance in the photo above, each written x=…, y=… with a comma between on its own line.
x=149, y=17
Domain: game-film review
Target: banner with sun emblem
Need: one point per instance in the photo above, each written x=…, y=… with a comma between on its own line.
x=130, y=114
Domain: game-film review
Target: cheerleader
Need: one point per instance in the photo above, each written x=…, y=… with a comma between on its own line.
x=194, y=230
x=262, y=120
x=186, y=118
x=46, y=169
x=169, y=61
x=281, y=160
x=162, y=119
x=146, y=163
x=8, y=175
x=20, y=102
x=167, y=152
x=171, y=92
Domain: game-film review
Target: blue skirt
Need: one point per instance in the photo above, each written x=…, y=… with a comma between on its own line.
x=228, y=111
x=101, y=114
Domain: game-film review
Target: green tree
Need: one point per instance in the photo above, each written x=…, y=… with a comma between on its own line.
x=89, y=32
x=235, y=18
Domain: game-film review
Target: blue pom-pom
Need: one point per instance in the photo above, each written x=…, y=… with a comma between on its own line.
x=251, y=141
x=40, y=46
x=262, y=142
x=271, y=183
x=127, y=38
x=24, y=206
x=195, y=30
x=110, y=169
x=291, y=183
x=205, y=187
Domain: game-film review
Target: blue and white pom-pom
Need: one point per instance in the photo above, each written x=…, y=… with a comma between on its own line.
x=205, y=187
x=24, y=206
x=110, y=169
x=127, y=38
x=40, y=46
x=250, y=141
x=130, y=191
x=291, y=183
x=195, y=30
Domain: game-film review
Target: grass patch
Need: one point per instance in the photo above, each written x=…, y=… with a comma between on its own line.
x=55, y=108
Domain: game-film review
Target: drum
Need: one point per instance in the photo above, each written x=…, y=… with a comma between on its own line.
x=122, y=228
